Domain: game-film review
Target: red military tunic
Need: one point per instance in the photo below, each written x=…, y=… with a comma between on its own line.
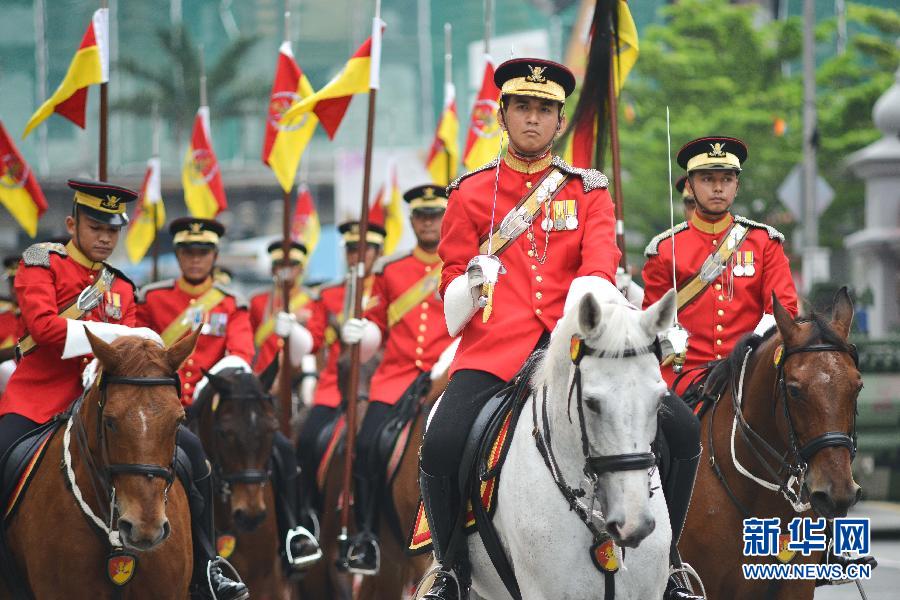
x=718, y=318
x=262, y=313
x=415, y=342
x=226, y=326
x=529, y=298
x=11, y=325
x=49, y=278
x=326, y=318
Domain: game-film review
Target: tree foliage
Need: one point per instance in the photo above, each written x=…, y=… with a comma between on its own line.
x=723, y=72
x=175, y=87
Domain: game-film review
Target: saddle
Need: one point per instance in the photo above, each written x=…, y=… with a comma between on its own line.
x=482, y=461
x=20, y=462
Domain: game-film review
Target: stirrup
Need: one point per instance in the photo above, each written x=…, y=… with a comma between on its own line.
x=687, y=573
x=301, y=562
x=435, y=571
x=219, y=561
x=353, y=552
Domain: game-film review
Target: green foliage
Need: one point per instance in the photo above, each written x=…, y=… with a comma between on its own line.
x=175, y=88
x=722, y=72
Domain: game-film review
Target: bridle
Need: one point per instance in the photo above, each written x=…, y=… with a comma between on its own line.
x=594, y=466
x=101, y=474
x=225, y=480
x=793, y=464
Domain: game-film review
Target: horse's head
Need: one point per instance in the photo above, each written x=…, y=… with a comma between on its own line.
x=131, y=416
x=238, y=422
x=605, y=390
x=819, y=381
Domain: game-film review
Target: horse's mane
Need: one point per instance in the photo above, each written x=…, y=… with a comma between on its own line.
x=722, y=372
x=140, y=357
x=619, y=331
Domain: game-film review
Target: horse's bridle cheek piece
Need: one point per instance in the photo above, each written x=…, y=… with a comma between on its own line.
x=224, y=481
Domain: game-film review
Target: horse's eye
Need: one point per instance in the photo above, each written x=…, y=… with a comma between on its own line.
x=593, y=404
x=794, y=390
x=109, y=423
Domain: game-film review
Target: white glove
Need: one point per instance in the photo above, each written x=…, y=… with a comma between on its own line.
x=301, y=343
x=353, y=330
x=604, y=291
x=362, y=332
x=766, y=323
x=284, y=323
x=77, y=343
x=7, y=368
x=224, y=363
x=90, y=373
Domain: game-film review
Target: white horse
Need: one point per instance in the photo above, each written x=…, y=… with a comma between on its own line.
x=622, y=390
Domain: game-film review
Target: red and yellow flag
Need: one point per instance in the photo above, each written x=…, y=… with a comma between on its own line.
x=305, y=225
x=483, y=138
x=443, y=158
x=284, y=144
x=89, y=66
x=200, y=175
x=387, y=209
x=19, y=189
x=149, y=214
x=359, y=75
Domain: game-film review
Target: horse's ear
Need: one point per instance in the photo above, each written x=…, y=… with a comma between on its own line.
x=180, y=350
x=108, y=357
x=219, y=384
x=589, y=315
x=659, y=316
x=783, y=319
x=267, y=377
x=842, y=312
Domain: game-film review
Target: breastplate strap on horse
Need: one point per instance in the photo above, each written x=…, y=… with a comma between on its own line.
x=86, y=301
x=713, y=265
x=517, y=221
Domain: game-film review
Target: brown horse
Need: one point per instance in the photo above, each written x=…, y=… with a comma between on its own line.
x=787, y=403
x=399, y=570
x=117, y=450
x=236, y=420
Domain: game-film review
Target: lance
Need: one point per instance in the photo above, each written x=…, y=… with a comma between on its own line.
x=357, y=274
x=156, y=204
x=104, y=117
x=448, y=83
x=613, y=107
x=284, y=276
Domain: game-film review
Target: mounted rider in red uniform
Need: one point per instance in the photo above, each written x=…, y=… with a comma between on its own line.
x=406, y=318
x=55, y=350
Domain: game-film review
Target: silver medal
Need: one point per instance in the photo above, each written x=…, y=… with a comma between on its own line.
x=738, y=270
x=571, y=222
x=547, y=224
x=749, y=270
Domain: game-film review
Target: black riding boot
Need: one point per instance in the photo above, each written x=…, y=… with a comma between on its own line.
x=442, y=510
x=677, y=490
x=363, y=551
x=208, y=581
x=299, y=547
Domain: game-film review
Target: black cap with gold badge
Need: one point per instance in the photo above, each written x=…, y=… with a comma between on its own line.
x=296, y=255
x=11, y=265
x=189, y=231
x=102, y=201
x=682, y=188
x=535, y=77
x=426, y=199
x=375, y=233
x=713, y=153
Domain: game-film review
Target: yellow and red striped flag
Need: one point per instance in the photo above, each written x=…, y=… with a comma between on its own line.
x=284, y=144
x=89, y=66
x=201, y=178
x=305, y=225
x=359, y=75
x=483, y=138
x=443, y=158
x=386, y=209
x=19, y=189
x=149, y=214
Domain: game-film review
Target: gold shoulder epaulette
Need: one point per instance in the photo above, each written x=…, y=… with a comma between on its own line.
x=384, y=261
x=238, y=297
x=163, y=284
x=774, y=234
x=652, y=248
x=591, y=179
x=38, y=255
x=455, y=183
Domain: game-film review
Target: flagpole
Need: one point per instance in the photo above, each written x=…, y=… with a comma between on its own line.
x=488, y=25
x=285, y=375
x=158, y=200
x=357, y=275
x=104, y=115
x=614, y=147
x=448, y=79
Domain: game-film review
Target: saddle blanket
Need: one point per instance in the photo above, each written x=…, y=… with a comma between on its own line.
x=23, y=461
x=420, y=538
